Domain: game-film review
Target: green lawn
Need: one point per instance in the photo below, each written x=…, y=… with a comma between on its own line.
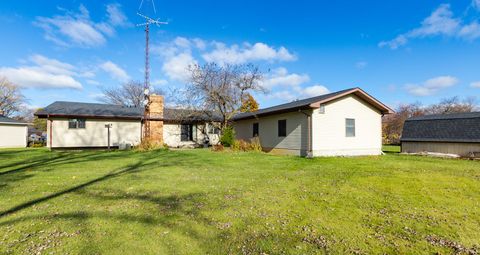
x=202, y=202
x=391, y=148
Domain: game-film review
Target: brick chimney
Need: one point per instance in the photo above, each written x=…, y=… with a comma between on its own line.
x=156, y=118
x=2, y=113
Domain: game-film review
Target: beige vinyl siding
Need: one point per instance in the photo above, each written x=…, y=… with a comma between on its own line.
x=294, y=143
x=13, y=136
x=94, y=134
x=462, y=149
x=172, y=136
x=329, y=129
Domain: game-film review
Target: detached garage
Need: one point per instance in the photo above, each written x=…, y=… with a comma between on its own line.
x=457, y=134
x=13, y=133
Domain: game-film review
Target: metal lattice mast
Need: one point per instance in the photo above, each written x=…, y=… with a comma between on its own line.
x=146, y=85
x=146, y=103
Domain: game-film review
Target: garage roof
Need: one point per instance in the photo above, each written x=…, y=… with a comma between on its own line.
x=10, y=121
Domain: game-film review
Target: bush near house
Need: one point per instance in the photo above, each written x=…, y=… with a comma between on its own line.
x=201, y=202
x=242, y=145
x=228, y=136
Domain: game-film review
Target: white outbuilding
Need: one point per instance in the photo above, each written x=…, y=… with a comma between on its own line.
x=13, y=133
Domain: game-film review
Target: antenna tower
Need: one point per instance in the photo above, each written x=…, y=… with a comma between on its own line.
x=146, y=85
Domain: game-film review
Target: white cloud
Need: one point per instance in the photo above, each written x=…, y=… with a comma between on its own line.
x=93, y=82
x=52, y=65
x=298, y=93
x=441, y=22
x=475, y=84
x=471, y=31
x=476, y=4
x=78, y=28
x=181, y=52
x=313, y=91
x=43, y=73
x=176, y=67
x=431, y=86
x=291, y=86
x=115, y=16
x=281, y=77
x=235, y=54
x=115, y=71
x=160, y=82
x=361, y=65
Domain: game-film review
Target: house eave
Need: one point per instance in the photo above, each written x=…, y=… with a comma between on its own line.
x=361, y=94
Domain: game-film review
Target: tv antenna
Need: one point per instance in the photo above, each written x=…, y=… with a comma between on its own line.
x=148, y=21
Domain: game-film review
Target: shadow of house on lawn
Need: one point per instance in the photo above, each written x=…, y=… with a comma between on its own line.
x=157, y=209
x=145, y=162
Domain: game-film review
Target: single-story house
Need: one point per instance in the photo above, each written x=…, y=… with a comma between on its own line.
x=84, y=125
x=457, y=133
x=343, y=123
x=13, y=133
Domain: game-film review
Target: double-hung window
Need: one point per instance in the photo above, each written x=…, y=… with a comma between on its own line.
x=76, y=123
x=350, y=127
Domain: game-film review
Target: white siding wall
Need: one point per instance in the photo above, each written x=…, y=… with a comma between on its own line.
x=294, y=143
x=172, y=136
x=94, y=134
x=13, y=136
x=329, y=138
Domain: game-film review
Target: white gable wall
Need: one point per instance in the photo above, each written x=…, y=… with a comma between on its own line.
x=94, y=134
x=329, y=135
x=13, y=136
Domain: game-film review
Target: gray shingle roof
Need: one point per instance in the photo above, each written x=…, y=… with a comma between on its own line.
x=6, y=120
x=457, y=127
x=305, y=104
x=95, y=110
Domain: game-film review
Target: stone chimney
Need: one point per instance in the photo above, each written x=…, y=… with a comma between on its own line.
x=156, y=118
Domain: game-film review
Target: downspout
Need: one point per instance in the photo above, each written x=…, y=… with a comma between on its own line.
x=141, y=129
x=309, y=134
x=51, y=131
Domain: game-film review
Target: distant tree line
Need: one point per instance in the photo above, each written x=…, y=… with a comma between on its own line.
x=393, y=123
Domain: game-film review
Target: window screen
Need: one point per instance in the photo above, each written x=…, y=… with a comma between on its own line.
x=350, y=127
x=255, y=130
x=282, y=128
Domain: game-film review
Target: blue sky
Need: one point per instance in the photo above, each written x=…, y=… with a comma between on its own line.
x=398, y=51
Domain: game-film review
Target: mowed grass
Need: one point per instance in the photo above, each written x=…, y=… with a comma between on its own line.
x=203, y=202
x=391, y=148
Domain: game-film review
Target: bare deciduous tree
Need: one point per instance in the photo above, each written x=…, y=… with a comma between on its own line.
x=220, y=89
x=452, y=105
x=128, y=94
x=393, y=123
x=11, y=98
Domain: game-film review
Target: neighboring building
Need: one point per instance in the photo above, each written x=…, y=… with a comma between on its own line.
x=457, y=134
x=13, y=133
x=344, y=123
x=83, y=125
